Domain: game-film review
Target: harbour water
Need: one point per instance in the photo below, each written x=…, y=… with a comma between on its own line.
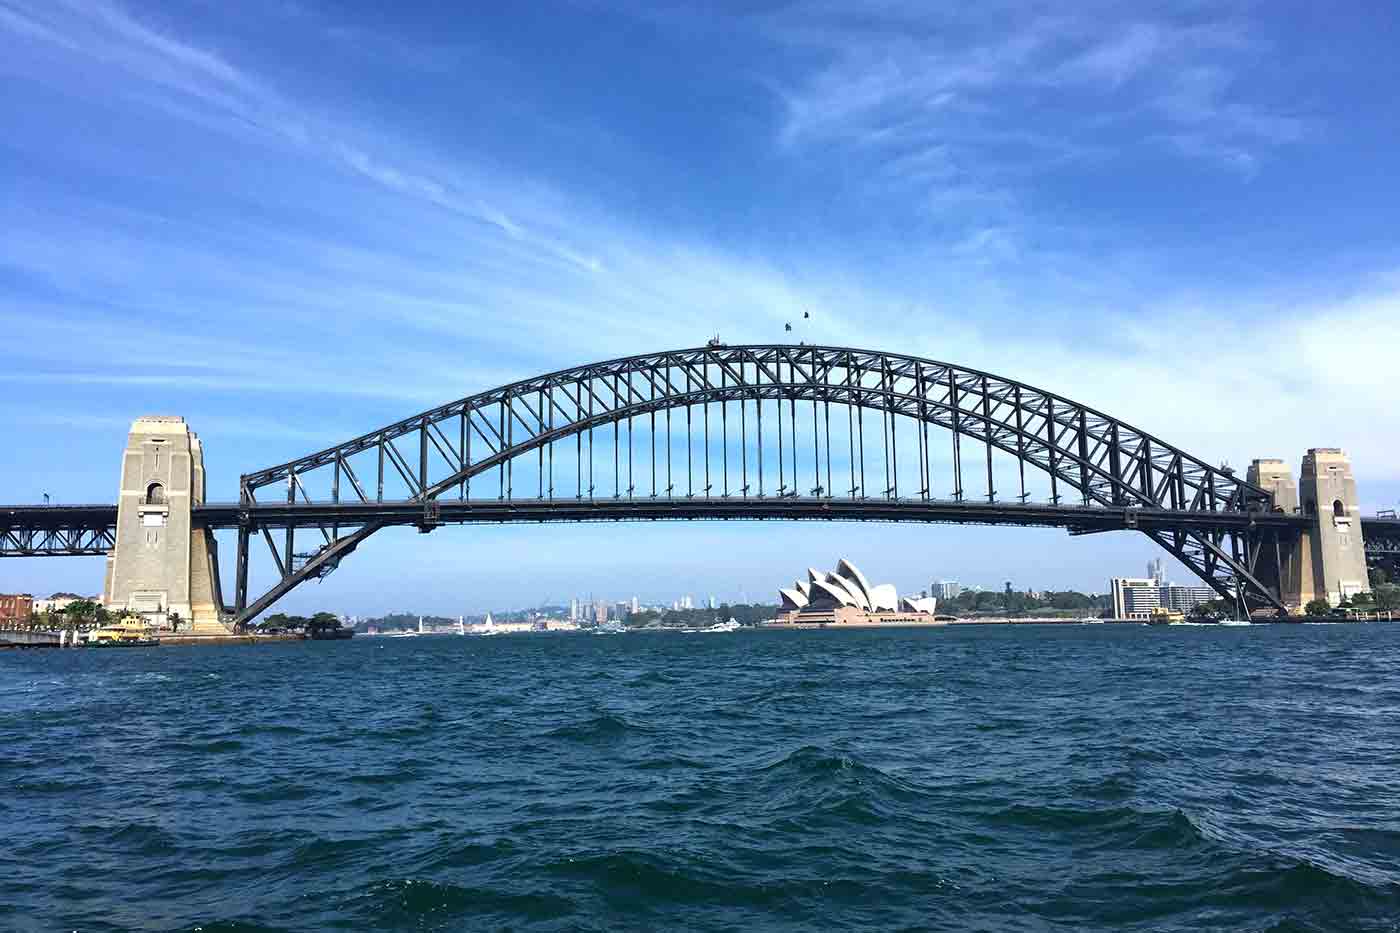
x=996, y=778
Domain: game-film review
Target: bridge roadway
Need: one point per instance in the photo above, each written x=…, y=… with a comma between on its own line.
x=90, y=529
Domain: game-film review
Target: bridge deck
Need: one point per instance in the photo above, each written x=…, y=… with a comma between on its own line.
x=37, y=530
x=412, y=512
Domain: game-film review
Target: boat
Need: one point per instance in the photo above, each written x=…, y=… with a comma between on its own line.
x=122, y=635
x=731, y=626
x=1090, y=621
x=1160, y=616
x=1234, y=622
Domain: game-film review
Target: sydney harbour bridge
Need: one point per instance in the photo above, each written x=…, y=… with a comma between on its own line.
x=719, y=432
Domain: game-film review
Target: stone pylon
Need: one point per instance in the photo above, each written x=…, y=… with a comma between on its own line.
x=1328, y=560
x=1294, y=564
x=162, y=566
x=1338, y=552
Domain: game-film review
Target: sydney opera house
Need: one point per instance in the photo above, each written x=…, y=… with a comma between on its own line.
x=845, y=597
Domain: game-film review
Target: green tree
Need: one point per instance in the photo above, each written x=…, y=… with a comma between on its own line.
x=1388, y=596
x=320, y=623
x=1318, y=607
x=1378, y=577
x=1211, y=609
x=83, y=611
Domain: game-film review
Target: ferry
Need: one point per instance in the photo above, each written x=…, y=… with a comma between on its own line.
x=122, y=635
x=1160, y=616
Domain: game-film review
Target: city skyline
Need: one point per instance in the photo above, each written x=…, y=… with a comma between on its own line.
x=960, y=218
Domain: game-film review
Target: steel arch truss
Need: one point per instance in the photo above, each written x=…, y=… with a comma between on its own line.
x=1090, y=459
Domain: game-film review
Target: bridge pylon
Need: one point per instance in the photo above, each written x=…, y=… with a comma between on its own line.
x=162, y=565
x=1335, y=548
x=1327, y=558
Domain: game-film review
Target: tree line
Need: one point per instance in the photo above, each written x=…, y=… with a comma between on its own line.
x=743, y=613
x=1025, y=602
x=311, y=626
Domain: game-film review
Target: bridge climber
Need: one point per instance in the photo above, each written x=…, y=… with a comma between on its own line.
x=719, y=432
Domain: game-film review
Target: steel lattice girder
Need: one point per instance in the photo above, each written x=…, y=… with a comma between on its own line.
x=1107, y=461
x=57, y=542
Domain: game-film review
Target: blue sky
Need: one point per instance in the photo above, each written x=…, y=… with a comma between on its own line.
x=292, y=222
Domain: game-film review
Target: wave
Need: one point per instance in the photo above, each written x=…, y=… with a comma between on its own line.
x=651, y=679
x=416, y=902
x=135, y=838
x=603, y=728
x=211, y=747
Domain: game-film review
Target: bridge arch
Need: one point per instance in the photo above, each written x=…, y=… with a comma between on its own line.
x=1088, y=457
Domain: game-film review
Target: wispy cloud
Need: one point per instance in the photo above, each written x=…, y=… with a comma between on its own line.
x=930, y=82
x=210, y=91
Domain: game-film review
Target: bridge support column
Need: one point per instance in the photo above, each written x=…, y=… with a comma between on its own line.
x=161, y=565
x=1328, y=559
x=1336, y=548
x=1282, y=556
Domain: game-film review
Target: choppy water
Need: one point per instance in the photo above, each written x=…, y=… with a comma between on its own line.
x=1087, y=778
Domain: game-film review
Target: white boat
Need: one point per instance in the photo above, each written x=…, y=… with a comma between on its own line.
x=1087, y=621
x=730, y=626
x=1234, y=622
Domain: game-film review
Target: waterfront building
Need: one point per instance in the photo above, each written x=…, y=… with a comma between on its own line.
x=560, y=625
x=636, y=605
x=846, y=597
x=1185, y=598
x=16, y=609
x=573, y=609
x=1135, y=597
x=59, y=602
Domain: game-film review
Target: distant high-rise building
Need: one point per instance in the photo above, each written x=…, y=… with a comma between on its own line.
x=1155, y=571
x=687, y=602
x=636, y=605
x=945, y=590
x=711, y=603
x=600, y=612
x=573, y=609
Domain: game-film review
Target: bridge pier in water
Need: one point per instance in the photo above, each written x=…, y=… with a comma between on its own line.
x=162, y=565
x=1327, y=558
